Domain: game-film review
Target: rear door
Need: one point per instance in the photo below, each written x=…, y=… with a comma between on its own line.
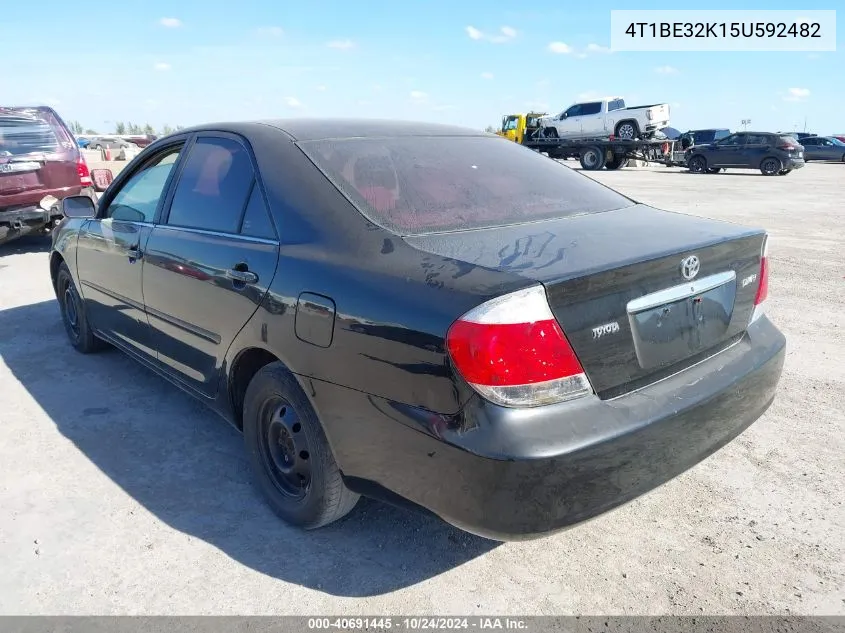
x=756, y=148
x=209, y=261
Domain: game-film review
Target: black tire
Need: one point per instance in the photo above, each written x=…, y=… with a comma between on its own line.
x=697, y=164
x=627, y=130
x=771, y=166
x=784, y=172
x=616, y=163
x=593, y=158
x=714, y=170
x=74, y=316
x=290, y=457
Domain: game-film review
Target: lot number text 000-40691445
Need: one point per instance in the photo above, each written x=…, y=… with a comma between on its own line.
x=728, y=30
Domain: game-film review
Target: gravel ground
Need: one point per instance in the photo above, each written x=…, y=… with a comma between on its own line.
x=119, y=494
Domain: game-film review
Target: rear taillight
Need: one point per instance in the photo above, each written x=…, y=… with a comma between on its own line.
x=84, y=172
x=788, y=147
x=762, y=282
x=512, y=351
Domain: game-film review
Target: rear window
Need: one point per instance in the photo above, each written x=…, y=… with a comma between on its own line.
x=21, y=133
x=419, y=185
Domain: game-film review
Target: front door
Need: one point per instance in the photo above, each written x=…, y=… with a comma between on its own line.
x=109, y=251
x=728, y=151
x=210, y=261
x=569, y=123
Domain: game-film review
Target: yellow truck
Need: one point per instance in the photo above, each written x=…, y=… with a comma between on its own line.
x=515, y=126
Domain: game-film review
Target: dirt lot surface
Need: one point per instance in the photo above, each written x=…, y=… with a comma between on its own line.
x=119, y=494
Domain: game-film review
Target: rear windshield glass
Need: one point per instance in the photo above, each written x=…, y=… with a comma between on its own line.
x=26, y=134
x=418, y=185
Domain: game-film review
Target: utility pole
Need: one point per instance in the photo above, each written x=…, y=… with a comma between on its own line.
x=745, y=124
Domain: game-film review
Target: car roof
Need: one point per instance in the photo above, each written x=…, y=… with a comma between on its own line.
x=337, y=128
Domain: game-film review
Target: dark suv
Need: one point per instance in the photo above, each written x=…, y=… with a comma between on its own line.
x=772, y=154
x=40, y=163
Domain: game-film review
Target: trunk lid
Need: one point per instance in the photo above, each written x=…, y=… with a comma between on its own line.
x=37, y=156
x=615, y=284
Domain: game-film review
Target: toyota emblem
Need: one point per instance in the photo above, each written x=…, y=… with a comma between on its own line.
x=690, y=267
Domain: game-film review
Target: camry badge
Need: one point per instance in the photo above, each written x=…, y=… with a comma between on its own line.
x=690, y=267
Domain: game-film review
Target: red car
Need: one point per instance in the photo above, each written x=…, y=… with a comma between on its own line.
x=839, y=137
x=40, y=163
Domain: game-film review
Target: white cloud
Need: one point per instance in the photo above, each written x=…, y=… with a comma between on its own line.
x=561, y=48
x=487, y=75
x=506, y=34
x=161, y=66
x=293, y=102
x=171, y=23
x=666, y=70
x=271, y=31
x=796, y=94
x=596, y=48
x=474, y=33
x=581, y=55
x=343, y=45
x=418, y=95
x=320, y=88
x=588, y=96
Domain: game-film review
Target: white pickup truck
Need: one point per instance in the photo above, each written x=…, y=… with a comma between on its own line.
x=606, y=117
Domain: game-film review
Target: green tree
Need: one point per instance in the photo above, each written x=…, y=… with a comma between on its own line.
x=76, y=127
x=166, y=130
x=120, y=127
x=90, y=131
x=149, y=129
x=490, y=129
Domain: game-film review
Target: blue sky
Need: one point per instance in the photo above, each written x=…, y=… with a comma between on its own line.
x=466, y=62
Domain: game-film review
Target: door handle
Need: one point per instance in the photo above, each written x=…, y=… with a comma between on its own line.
x=242, y=276
x=134, y=253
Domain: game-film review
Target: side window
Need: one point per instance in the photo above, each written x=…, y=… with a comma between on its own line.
x=756, y=139
x=733, y=139
x=720, y=134
x=139, y=196
x=573, y=110
x=213, y=186
x=616, y=104
x=257, y=221
x=590, y=108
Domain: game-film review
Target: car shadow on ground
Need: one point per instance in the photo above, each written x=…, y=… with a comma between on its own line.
x=187, y=467
x=26, y=244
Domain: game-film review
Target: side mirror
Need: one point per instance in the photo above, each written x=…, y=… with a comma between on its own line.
x=563, y=116
x=78, y=207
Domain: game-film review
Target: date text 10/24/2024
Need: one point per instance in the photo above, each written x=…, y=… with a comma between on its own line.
x=417, y=623
x=723, y=30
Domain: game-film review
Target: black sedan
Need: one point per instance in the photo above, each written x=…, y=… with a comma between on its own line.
x=424, y=314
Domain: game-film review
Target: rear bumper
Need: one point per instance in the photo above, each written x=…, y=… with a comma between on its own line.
x=22, y=220
x=512, y=474
x=794, y=163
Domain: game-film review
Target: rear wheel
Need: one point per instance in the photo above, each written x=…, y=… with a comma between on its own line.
x=74, y=317
x=616, y=162
x=290, y=457
x=784, y=172
x=627, y=130
x=592, y=158
x=771, y=166
x=714, y=170
x=697, y=164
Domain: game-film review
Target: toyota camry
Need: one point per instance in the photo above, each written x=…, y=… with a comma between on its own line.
x=424, y=314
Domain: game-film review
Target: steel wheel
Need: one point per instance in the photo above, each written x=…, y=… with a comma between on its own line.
x=70, y=309
x=284, y=448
